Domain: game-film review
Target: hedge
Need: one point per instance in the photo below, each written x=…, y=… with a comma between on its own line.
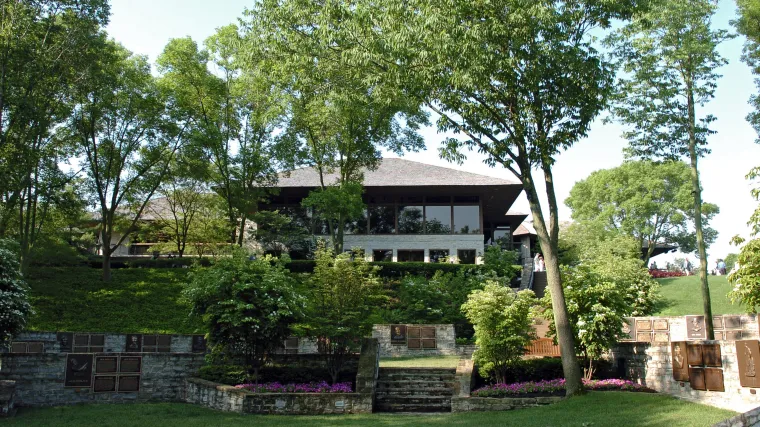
x=121, y=262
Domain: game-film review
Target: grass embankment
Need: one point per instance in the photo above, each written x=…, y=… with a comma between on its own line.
x=683, y=295
x=136, y=300
x=594, y=409
x=420, y=362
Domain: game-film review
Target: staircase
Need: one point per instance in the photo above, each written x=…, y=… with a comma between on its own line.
x=539, y=283
x=415, y=389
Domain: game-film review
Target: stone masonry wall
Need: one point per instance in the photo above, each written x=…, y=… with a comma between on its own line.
x=40, y=378
x=425, y=242
x=114, y=343
x=462, y=404
x=651, y=366
x=747, y=419
x=444, y=335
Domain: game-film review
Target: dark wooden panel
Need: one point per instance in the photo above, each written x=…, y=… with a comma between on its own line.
x=711, y=355
x=130, y=364
x=129, y=383
x=694, y=354
x=106, y=364
x=428, y=343
x=104, y=383
x=414, y=343
x=428, y=332
x=413, y=331
x=714, y=379
x=697, y=378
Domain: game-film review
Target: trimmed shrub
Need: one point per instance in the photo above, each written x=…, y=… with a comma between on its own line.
x=14, y=300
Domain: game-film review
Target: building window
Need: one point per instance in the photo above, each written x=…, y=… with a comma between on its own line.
x=439, y=255
x=438, y=219
x=382, y=255
x=357, y=226
x=382, y=220
x=467, y=219
x=410, y=219
x=411, y=256
x=466, y=256
x=502, y=237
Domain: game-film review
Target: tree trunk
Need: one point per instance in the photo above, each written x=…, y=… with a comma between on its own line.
x=106, y=244
x=697, y=193
x=565, y=336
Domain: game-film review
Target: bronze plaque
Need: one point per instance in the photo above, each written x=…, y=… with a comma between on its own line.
x=644, y=336
x=660, y=337
x=129, y=383
x=711, y=355
x=660, y=324
x=106, y=364
x=134, y=343
x=65, y=341
x=130, y=364
x=718, y=322
x=78, y=370
x=413, y=331
x=165, y=341
x=732, y=322
x=81, y=343
x=35, y=347
x=398, y=334
x=104, y=383
x=732, y=335
x=150, y=340
x=748, y=355
x=199, y=344
x=643, y=325
x=714, y=379
x=428, y=332
x=18, y=347
x=695, y=327
x=694, y=354
x=414, y=344
x=720, y=335
x=428, y=343
x=697, y=378
x=678, y=360
x=628, y=332
x=157, y=343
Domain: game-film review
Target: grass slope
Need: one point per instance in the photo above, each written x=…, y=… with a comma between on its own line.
x=683, y=295
x=136, y=300
x=420, y=362
x=595, y=409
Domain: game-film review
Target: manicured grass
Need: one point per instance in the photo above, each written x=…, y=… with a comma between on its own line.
x=136, y=300
x=683, y=295
x=420, y=362
x=596, y=409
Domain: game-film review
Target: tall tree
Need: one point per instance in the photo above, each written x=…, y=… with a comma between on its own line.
x=649, y=201
x=748, y=24
x=518, y=81
x=669, y=59
x=121, y=129
x=40, y=66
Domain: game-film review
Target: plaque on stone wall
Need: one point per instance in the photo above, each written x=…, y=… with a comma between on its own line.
x=720, y=335
x=81, y=343
x=413, y=332
x=130, y=364
x=35, y=347
x=660, y=337
x=199, y=344
x=78, y=370
x=697, y=378
x=157, y=343
x=645, y=336
x=660, y=324
x=711, y=355
x=97, y=343
x=678, y=361
x=732, y=322
x=748, y=357
x=414, y=344
x=134, y=343
x=643, y=325
x=428, y=344
x=65, y=341
x=695, y=327
x=718, y=322
x=398, y=334
x=129, y=383
x=427, y=332
x=18, y=347
x=694, y=354
x=106, y=364
x=714, y=379
x=104, y=383
x=732, y=335
x=628, y=332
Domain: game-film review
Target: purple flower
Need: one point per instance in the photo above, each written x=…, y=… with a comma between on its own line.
x=553, y=386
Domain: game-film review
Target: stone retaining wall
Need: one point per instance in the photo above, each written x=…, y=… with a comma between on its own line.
x=462, y=404
x=444, y=335
x=114, y=343
x=651, y=366
x=228, y=398
x=747, y=419
x=40, y=378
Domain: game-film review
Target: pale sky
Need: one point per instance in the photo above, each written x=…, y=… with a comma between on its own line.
x=145, y=26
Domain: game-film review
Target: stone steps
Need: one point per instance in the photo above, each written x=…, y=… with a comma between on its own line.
x=414, y=389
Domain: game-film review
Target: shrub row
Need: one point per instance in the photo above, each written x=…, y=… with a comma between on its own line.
x=659, y=274
x=555, y=386
x=97, y=262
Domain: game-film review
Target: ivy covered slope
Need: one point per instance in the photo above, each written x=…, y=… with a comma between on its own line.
x=136, y=300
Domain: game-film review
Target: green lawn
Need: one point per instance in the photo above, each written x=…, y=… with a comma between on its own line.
x=683, y=295
x=597, y=409
x=420, y=362
x=136, y=300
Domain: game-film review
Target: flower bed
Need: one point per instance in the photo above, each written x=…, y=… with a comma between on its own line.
x=554, y=387
x=659, y=274
x=321, y=387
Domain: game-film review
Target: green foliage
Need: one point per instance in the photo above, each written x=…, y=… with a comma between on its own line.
x=236, y=374
x=501, y=262
x=335, y=205
x=422, y=269
x=14, y=299
x=503, y=322
x=247, y=306
x=650, y=201
x=344, y=292
x=731, y=261
x=746, y=279
x=280, y=234
x=748, y=24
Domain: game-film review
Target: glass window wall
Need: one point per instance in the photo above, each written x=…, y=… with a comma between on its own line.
x=410, y=219
x=467, y=219
x=438, y=219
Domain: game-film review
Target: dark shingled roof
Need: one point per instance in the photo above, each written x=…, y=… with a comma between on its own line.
x=393, y=172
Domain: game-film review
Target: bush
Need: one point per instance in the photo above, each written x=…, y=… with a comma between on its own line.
x=556, y=387
x=14, y=300
x=116, y=263
x=660, y=274
x=421, y=269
